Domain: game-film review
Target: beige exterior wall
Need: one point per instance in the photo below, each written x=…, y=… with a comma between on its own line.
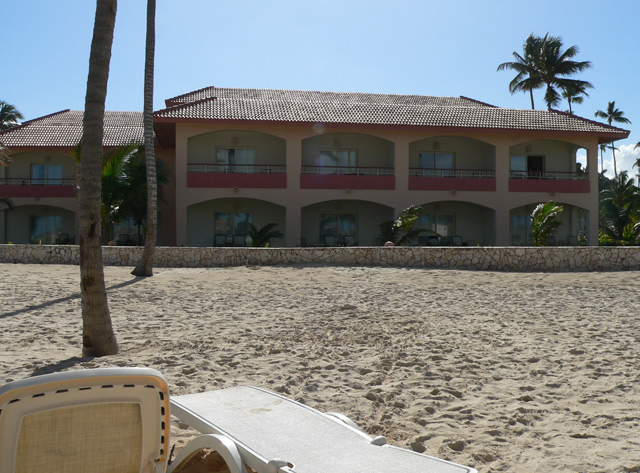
x=495, y=147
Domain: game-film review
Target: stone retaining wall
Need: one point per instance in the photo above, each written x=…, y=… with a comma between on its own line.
x=473, y=258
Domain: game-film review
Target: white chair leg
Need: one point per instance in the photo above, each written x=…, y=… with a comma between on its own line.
x=221, y=444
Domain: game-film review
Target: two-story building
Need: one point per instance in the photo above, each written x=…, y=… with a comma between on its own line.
x=329, y=168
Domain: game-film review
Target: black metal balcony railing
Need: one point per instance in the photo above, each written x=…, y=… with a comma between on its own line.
x=239, y=168
x=550, y=175
x=28, y=181
x=348, y=170
x=430, y=172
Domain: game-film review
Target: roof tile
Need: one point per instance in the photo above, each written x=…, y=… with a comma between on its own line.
x=64, y=129
x=212, y=103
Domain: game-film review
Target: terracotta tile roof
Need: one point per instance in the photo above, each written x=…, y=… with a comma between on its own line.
x=213, y=103
x=64, y=129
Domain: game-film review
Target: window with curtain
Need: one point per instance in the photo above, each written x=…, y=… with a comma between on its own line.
x=345, y=159
x=232, y=224
x=44, y=229
x=338, y=225
x=46, y=174
x=521, y=232
x=238, y=159
x=442, y=224
x=438, y=164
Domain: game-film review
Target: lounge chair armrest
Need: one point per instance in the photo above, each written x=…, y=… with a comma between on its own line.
x=221, y=444
x=343, y=418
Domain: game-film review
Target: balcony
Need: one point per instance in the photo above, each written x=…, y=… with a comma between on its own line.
x=28, y=187
x=569, y=182
x=347, y=177
x=452, y=179
x=266, y=176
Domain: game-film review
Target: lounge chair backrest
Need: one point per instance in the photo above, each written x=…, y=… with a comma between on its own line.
x=98, y=421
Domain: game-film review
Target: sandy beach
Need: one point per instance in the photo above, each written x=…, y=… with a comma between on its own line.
x=514, y=372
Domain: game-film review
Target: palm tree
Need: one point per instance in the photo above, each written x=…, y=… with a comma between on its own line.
x=544, y=221
x=98, y=338
x=134, y=198
x=612, y=114
x=145, y=265
x=401, y=230
x=574, y=93
x=263, y=236
x=619, y=205
x=527, y=78
x=115, y=187
x=9, y=115
x=554, y=66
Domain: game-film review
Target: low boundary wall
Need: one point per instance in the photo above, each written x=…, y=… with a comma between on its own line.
x=549, y=259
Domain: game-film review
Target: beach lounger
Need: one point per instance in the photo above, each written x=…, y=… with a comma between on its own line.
x=274, y=434
x=93, y=421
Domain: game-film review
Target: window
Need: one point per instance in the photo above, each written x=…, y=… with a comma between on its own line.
x=238, y=159
x=44, y=229
x=232, y=224
x=527, y=166
x=436, y=164
x=442, y=224
x=335, y=227
x=521, y=232
x=46, y=174
x=344, y=159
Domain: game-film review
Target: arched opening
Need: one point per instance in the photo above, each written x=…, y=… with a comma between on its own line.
x=343, y=223
x=574, y=224
x=455, y=223
x=226, y=222
x=38, y=224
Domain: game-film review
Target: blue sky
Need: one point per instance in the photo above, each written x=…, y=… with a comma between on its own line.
x=426, y=47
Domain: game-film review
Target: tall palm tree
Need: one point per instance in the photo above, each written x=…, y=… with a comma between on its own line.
x=98, y=338
x=9, y=115
x=527, y=78
x=145, y=265
x=554, y=65
x=619, y=204
x=612, y=114
x=575, y=93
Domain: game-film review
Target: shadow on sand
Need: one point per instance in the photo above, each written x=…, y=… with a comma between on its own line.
x=66, y=298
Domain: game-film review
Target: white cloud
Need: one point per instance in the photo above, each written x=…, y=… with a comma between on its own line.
x=626, y=156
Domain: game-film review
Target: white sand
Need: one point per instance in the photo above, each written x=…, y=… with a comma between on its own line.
x=500, y=371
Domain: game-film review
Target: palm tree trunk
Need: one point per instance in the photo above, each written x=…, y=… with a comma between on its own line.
x=531, y=95
x=98, y=338
x=613, y=153
x=145, y=266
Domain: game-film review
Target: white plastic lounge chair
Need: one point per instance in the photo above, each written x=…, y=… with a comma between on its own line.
x=274, y=434
x=100, y=421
